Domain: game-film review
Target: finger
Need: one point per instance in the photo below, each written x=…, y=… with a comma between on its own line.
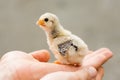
x=60, y=75
x=87, y=73
x=100, y=73
x=100, y=50
x=83, y=74
x=39, y=70
x=90, y=54
x=95, y=53
x=41, y=55
x=99, y=58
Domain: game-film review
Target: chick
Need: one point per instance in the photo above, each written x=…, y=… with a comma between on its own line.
x=67, y=47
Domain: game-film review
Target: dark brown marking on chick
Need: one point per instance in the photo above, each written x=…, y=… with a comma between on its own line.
x=54, y=33
x=64, y=47
x=76, y=48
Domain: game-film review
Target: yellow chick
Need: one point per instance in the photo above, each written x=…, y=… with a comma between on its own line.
x=67, y=47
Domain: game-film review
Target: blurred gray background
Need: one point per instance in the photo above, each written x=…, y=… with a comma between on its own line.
x=97, y=22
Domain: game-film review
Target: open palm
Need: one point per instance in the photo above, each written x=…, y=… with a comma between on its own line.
x=22, y=66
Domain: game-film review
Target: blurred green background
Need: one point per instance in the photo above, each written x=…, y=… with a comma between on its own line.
x=97, y=22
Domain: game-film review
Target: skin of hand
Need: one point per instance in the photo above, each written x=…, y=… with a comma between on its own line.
x=86, y=73
x=17, y=65
x=90, y=70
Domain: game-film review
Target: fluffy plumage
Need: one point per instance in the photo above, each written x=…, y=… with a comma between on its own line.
x=67, y=48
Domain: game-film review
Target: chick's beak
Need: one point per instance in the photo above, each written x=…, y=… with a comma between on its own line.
x=40, y=22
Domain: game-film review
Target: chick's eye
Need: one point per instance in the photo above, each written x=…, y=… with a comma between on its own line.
x=46, y=19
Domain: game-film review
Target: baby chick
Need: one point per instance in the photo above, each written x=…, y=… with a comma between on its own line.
x=67, y=48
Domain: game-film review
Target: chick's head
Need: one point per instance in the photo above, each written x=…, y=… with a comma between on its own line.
x=48, y=21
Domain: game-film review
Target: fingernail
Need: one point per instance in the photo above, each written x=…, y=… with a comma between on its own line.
x=92, y=71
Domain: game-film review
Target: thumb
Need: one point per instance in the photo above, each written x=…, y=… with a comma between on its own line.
x=86, y=73
x=41, y=55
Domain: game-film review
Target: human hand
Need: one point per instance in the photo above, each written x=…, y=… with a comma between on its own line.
x=18, y=65
x=90, y=69
x=14, y=65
